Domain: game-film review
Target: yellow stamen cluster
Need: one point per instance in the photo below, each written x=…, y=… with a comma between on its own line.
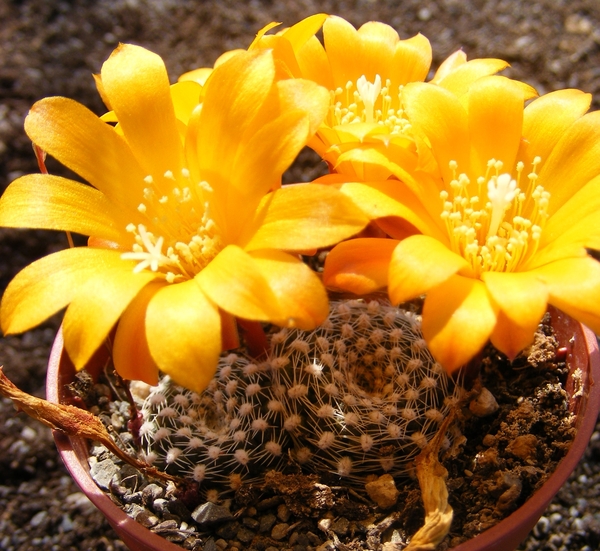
x=365, y=101
x=180, y=221
x=500, y=233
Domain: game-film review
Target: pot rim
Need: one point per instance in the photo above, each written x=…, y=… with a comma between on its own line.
x=74, y=453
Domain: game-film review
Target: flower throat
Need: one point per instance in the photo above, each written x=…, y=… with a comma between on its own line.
x=178, y=220
x=502, y=232
x=364, y=101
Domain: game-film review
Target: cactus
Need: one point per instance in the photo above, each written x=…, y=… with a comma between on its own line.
x=360, y=395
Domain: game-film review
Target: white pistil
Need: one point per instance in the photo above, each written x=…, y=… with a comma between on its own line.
x=369, y=92
x=501, y=192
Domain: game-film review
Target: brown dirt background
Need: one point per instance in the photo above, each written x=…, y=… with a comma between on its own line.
x=52, y=48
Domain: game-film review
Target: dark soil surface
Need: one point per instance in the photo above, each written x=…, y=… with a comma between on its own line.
x=52, y=48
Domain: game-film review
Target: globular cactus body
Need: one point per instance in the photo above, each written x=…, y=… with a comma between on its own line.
x=358, y=396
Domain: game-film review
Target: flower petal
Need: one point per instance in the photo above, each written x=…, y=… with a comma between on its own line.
x=81, y=141
x=359, y=266
x=131, y=353
x=574, y=287
x=541, y=130
x=183, y=329
x=439, y=115
x=522, y=299
x=301, y=295
x=574, y=161
x=510, y=338
x=49, y=284
x=135, y=81
x=495, y=122
x=235, y=93
x=458, y=319
x=43, y=201
x=235, y=282
x=302, y=217
x=420, y=263
x=457, y=78
x=392, y=198
x=99, y=303
x=412, y=60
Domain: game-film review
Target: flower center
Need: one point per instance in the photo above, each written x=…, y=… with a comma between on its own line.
x=502, y=232
x=370, y=102
x=177, y=217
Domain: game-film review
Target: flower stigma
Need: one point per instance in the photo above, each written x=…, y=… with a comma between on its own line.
x=500, y=233
x=370, y=102
x=178, y=220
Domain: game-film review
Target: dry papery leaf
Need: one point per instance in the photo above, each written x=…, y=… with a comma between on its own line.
x=72, y=421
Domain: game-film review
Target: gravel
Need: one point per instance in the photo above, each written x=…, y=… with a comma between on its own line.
x=51, y=48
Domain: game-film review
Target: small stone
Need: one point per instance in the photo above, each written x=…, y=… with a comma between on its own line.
x=151, y=493
x=147, y=519
x=383, y=491
x=283, y=512
x=542, y=528
x=38, y=519
x=210, y=545
x=166, y=526
x=160, y=506
x=221, y=544
x=103, y=471
x=245, y=535
x=280, y=531
x=251, y=523
x=267, y=522
x=485, y=404
x=228, y=530
x=135, y=497
x=324, y=524
x=209, y=513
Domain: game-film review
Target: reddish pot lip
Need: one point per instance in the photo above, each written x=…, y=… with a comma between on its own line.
x=504, y=536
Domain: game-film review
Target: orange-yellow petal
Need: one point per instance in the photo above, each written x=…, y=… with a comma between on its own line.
x=522, y=299
x=542, y=131
x=458, y=74
x=359, y=266
x=458, y=319
x=50, y=202
x=439, y=115
x=495, y=107
x=97, y=306
x=301, y=295
x=131, y=353
x=302, y=217
x=76, y=137
x=183, y=328
x=573, y=162
x=412, y=60
x=420, y=263
x=509, y=337
x=136, y=82
x=49, y=284
x=574, y=288
x=392, y=198
x=234, y=282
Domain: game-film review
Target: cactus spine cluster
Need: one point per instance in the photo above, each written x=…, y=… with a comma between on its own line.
x=358, y=396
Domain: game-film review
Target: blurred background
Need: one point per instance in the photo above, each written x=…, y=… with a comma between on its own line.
x=53, y=47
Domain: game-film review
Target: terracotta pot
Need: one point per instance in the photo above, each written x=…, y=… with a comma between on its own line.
x=582, y=354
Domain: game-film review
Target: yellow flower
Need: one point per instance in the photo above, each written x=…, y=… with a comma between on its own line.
x=365, y=71
x=502, y=230
x=188, y=224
